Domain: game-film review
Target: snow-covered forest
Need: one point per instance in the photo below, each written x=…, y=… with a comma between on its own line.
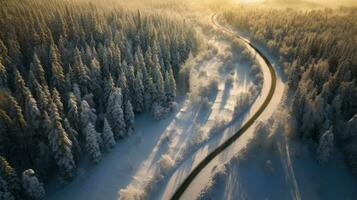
x=317, y=50
x=178, y=99
x=73, y=75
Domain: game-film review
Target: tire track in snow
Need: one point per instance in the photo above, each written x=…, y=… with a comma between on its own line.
x=188, y=180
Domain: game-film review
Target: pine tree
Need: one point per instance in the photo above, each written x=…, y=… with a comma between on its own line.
x=129, y=117
x=73, y=112
x=325, y=148
x=80, y=72
x=95, y=76
x=159, y=95
x=33, y=188
x=56, y=98
x=139, y=92
x=122, y=84
x=3, y=76
x=92, y=143
x=108, y=137
x=60, y=144
x=77, y=92
x=87, y=114
x=115, y=113
x=4, y=58
x=73, y=136
x=38, y=70
x=10, y=178
x=170, y=85
x=58, y=77
x=108, y=87
x=41, y=97
x=32, y=112
x=5, y=194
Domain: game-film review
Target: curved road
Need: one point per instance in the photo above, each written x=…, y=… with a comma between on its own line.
x=189, y=179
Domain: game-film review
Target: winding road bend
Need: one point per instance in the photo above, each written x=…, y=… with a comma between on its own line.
x=195, y=172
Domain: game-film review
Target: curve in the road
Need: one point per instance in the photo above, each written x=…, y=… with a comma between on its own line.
x=186, y=183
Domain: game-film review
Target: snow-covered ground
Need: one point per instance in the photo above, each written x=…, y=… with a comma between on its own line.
x=274, y=166
x=141, y=164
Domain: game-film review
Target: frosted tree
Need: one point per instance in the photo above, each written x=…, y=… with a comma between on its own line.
x=139, y=92
x=80, y=72
x=108, y=136
x=60, y=144
x=115, y=113
x=9, y=176
x=33, y=188
x=32, y=112
x=95, y=76
x=170, y=85
x=73, y=135
x=73, y=112
x=56, y=98
x=58, y=78
x=108, y=87
x=41, y=97
x=325, y=148
x=88, y=116
x=122, y=82
x=37, y=68
x=5, y=193
x=77, y=92
x=159, y=93
x=92, y=144
x=3, y=76
x=149, y=92
x=129, y=117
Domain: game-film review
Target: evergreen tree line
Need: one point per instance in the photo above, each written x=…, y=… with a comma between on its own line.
x=318, y=50
x=72, y=77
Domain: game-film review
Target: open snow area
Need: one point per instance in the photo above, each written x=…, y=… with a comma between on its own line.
x=138, y=164
x=274, y=166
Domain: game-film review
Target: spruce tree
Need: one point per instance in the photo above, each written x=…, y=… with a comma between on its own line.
x=61, y=145
x=3, y=76
x=170, y=85
x=32, y=112
x=92, y=144
x=33, y=188
x=38, y=70
x=129, y=117
x=108, y=136
x=115, y=113
x=10, y=178
x=58, y=77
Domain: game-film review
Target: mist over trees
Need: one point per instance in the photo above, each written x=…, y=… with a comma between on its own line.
x=317, y=50
x=73, y=74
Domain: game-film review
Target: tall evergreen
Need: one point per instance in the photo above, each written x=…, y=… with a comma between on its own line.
x=61, y=145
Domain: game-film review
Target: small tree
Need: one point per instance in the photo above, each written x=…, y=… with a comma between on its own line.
x=129, y=117
x=31, y=185
x=325, y=148
x=92, y=143
x=108, y=137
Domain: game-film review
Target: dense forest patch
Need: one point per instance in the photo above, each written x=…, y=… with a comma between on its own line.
x=72, y=76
